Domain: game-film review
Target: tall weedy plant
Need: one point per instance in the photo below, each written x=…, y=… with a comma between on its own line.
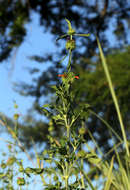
x=66, y=113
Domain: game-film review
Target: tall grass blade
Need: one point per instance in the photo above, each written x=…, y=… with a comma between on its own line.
x=113, y=95
x=109, y=180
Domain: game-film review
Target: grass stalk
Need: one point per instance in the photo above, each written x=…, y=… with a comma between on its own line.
x=109, y=180
x=82, y=177
x=113, y=95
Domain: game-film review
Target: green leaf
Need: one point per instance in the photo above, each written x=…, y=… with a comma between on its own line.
x=11, y=161
x=2, y=175
x=109, y=179
x=54, y=87
x=71, y=31
x=57, y=117
x=95, y=160
x=115, y=100
x=29, y=170
x=46, y=106
x=38, y=170
x=84, y=35
x=63, y=36
x=46, y=112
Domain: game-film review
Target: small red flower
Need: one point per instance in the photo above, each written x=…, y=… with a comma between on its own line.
x=65, y=76
x=62, y=75
x=76, y=77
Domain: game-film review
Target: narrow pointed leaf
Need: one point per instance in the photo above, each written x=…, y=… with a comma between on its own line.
x=109, y=177
x=63, y=36
x=84, y=35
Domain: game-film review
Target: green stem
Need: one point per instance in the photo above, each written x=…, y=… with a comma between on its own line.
x=68, y=132
x=66, y=176
x=113, y=95
x=67, y=164
x=81, y=174
x=67, y=127
x=69, y=62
